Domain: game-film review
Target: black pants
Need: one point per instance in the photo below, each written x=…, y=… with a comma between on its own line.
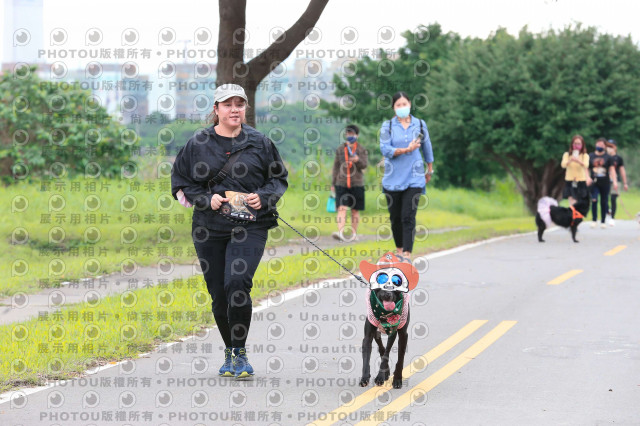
x=614, y=205
x=601, y=189
x=402, y=207
x=228, y=263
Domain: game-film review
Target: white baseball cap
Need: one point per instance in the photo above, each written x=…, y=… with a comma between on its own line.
x=226, y=91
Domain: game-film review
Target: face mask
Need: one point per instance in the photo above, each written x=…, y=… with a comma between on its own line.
x=611, y=151
x=351, y=139
x=577, y=146
x=599, y=149
x=403, y=112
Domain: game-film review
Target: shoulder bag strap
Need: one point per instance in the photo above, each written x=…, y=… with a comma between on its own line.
x=224, y=172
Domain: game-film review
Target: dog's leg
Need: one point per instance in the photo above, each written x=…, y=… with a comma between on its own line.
x=403, y=337
x=541, y=227
x=385, y=372
x=369, y=333
x=574, y=228
x=378, y=339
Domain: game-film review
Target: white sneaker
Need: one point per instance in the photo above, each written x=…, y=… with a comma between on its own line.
x=349, y=239
x=612, y=222
x=594, y=224
x=603, y=225
x=338, y=236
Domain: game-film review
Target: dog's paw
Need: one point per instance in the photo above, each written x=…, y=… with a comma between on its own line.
x=364, y=382
x=397, y=382
x=381, y=378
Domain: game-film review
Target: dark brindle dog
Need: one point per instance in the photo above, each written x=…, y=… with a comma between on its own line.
x=390, y=281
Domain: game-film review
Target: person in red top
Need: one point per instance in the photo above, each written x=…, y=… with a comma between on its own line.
x=347, y=181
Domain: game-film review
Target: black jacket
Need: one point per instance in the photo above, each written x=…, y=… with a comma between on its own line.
x=259, y=169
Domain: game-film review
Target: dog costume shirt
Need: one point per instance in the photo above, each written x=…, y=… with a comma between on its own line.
x=392, y=321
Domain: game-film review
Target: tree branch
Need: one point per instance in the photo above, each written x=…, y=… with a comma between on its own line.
x=281, y=48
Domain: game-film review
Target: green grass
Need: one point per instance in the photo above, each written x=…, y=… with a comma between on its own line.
x=85, y=335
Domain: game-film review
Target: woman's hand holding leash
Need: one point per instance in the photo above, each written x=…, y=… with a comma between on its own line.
x=253, y=200
x=217, y=200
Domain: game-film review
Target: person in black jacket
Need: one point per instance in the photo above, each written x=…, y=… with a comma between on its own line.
x=229, y=252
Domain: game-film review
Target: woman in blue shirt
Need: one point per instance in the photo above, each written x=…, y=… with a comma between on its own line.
x=404, y=143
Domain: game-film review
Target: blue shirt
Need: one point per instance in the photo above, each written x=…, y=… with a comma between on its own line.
x=405, y=170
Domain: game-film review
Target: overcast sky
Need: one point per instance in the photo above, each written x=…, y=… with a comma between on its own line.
x=367, y=17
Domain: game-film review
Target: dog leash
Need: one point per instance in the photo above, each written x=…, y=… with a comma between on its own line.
x=323, y=252
x=625, y=209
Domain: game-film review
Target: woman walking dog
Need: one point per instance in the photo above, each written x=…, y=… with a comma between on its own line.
x=233, y=176
x=404, y=177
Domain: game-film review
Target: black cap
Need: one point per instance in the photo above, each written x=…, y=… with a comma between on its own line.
x=353, y=128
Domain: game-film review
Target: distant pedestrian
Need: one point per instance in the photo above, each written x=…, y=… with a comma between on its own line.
x=621, y=172
x=576, y=165
x=603, y=173
x=347, y=181
x=406, y=147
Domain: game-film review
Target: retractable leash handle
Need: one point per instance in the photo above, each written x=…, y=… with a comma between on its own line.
x=359, y=278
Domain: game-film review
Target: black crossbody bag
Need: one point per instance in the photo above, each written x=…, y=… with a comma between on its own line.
x=236, y=209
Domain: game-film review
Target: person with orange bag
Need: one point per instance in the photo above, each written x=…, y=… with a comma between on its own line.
x=347, y=182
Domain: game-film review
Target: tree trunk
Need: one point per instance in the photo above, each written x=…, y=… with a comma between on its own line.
x=231, y=67
x=545, y=181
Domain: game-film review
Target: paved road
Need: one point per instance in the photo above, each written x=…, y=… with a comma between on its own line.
x=491, y=342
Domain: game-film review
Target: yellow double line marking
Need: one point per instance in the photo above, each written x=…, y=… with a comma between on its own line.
x=417, y=365
x=615, y=250
x=562, y=278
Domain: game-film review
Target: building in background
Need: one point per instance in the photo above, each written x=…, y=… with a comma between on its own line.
x=193, y=88
x=23, y=30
